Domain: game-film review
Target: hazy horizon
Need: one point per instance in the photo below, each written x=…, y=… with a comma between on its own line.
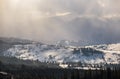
x=94, y=21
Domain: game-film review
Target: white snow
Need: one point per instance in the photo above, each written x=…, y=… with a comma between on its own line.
x=43, y=53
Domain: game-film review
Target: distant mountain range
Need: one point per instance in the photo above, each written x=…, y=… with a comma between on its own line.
x=64, y=52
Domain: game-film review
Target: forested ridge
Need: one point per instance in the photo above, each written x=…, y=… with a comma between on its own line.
x=29, y=72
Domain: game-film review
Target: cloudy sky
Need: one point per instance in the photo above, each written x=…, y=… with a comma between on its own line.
x=95, y=21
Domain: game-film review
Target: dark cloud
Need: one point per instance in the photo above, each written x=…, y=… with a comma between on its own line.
x=95, y=21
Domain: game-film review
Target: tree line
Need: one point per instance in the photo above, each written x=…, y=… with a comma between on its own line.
x=25, y=72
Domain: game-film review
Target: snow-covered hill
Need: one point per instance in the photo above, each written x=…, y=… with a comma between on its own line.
x=62, y=54
x=96, y=54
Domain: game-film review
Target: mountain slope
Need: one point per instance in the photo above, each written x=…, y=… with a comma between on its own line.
x=67, y=54
x=52, y=53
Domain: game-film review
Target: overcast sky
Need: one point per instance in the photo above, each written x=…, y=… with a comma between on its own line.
x=53, y=20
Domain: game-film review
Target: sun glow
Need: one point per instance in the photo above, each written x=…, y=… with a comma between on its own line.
x=14, y=2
